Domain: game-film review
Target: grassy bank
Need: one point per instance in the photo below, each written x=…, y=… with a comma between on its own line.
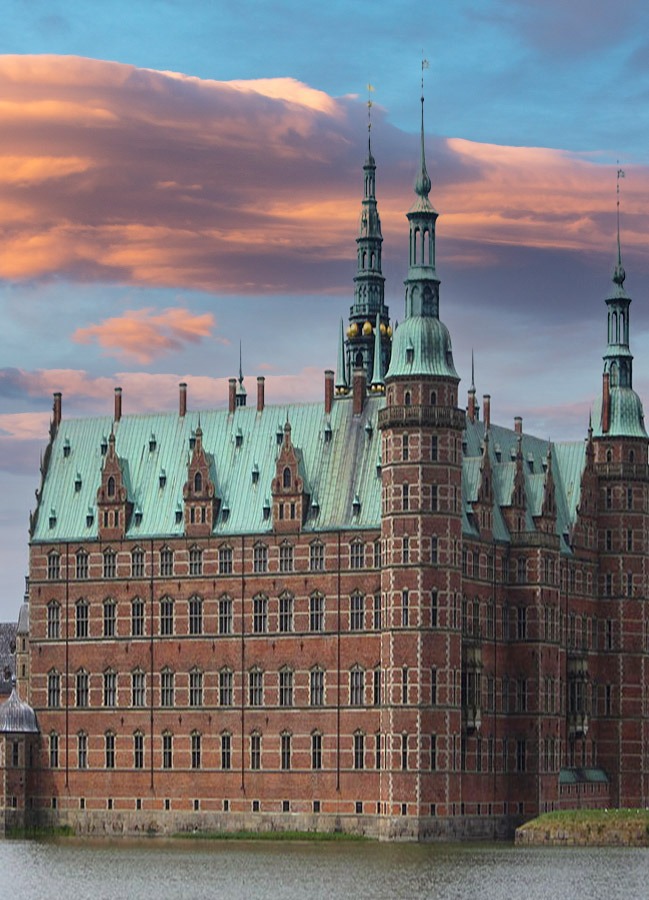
x=588, y=827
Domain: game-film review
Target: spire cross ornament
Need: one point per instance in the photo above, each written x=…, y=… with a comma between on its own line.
x=370, y=91
x=620, y=174
x=424, y=65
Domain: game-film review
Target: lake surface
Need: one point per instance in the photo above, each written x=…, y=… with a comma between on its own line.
x=32, y=870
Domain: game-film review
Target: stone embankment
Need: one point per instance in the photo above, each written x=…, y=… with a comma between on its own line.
x=587, y=828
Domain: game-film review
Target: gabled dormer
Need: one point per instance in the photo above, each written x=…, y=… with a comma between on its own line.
x=584, y=530
x=199, y=492
x=113, y=507
x=483, y=506
x=515, y=513
x=290, y=502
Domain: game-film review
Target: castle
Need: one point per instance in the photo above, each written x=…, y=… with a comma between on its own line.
x=380, y=613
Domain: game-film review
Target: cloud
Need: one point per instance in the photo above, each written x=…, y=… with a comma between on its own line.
x=145, y=334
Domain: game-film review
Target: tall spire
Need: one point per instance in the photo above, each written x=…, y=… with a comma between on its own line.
x=342, y=385
x=241, y=394
x=377, y=373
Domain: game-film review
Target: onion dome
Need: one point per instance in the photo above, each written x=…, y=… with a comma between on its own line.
x=17, y=717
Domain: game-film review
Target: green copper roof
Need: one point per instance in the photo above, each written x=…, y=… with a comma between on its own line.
x=422, y=346
x=627, y=415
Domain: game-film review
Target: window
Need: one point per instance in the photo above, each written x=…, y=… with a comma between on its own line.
x=433, y=752
x=195, y=750
x=608, y=498
x=166, y=562
x=433, y=449
x=629, y=498
x=377, y=554
x=53, y=619
x=137, y=563
x=316, y=556
x=82, y=750
x=53, y=566
x=359, y=750
x=405, y=496
x=226, y=750
x=195, y=615
x=285, y=751
x=137, y=617
x=286, y=687
x=357, y=555
x=316, y=612
x=260, y=559
x=521, y=755
x=110, y=688
x=286, y=477
x=110, y=564
x=225, y=687
x=286, y=557
x=377, y=750
x=53, y=689
x=225, y=560
x=286, y=613
x=404, y=751
x=357, y=686
x=81, y=684
x=225, y=615
x=138, y=692
x=521, y=695
x=138, y=750
x=433, y=498
x=195, y=561
x=316, y=687
x=195, y=688
x=433, y=549
x=166, y=616
x=109, y=747
x=109, y=618
x=521, y=623
x=167, y=683
x=167, y=750
x=356, y=612
x=376, y=686
x=433, y=687
x=404, y=684
x=259, y=614
x=405, y=608
x=81, y=566
x=433, y=609
x=255, y=751
x=54, y=750
x=255, y=687
x=316, y=750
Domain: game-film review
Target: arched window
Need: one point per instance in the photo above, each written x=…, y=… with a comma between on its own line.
x=110, y=487
x=198, y=483
x=286, y=477
x=407, y=398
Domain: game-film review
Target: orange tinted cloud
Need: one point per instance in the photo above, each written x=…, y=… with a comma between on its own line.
x=144, y=334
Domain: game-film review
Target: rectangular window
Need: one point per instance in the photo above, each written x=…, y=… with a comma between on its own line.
x=259, y=615
x=433, y=549
x=226, y=751
x=166, y=562
x=110, y=564
x=195, y=688
x=433, y=687
x=629, y=540
x=377, y=613
x=404, y=684
x=54, y=750
x=316, y=612
x=359, y=750
x=81, y=565
x=376, y=687
x=404, y=751
x=225, y=560
x=377, y=750
x=255, y=751
x=138, y=750
x=433, y=497
x=137, y=564
x=357, y=687
x=433, y=609
x=433, y=752
x=433, y=448
x=286, y=687
x=82, y=688
x=357, y=555
x=110, y=689
x=405, y=550
x=109, y=739
x=82, y=750
x=521, y=755
x=53, y=690
x=285, y=613
x=137, y=618
x=521, y=695
x=109, y=618
x=378, y=556
x=405, y=608
x=521, y=623
x=285, y=751
x=167, y=751
x=260, y=559
x=256, y=687
x=316, y=750
x=225, y=615
x=316, y=685
x=286, y=558
x=195, y=615
x=166, y=688
x=166, y=616
x=316, y=556
x=53, y=620
x=405, y=495
x=225, y=687
x=356, y=612
x=195, y=561
x=53, y=566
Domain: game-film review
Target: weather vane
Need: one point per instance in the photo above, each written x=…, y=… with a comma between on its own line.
x=424, y=65
x=620, y=174
x=370, y=91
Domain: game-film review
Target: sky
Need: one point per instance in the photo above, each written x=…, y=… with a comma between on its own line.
x=176, y=179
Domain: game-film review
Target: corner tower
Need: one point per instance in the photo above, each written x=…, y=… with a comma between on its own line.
x=421, y=530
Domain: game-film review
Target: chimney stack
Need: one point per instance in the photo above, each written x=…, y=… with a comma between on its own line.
x=182, y=399
x=518, y=424
x=606, y=403
x=329, y=390
x=56, y=410
x=471, y=407
x=359, y=389
x=486, y=410
x=261, y=399
x=118, y=404
x=232, y=394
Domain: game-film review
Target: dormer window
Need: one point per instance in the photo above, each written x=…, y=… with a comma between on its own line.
x=410, y=354
x=327, y=433
x=225, y=512
x=368, y=430
x=138, y=516
x=238, y=438
x=77, y=483
x=179, y=514
x=255, y=474
x=192, y=440
x=152, y=443
x=90, y=517
x=198, y=483
x=104, y=446
x=266, y=509
x=66, y=448
x=279, y=436
x=162, y=478
x=52, y=518
x=356, y=505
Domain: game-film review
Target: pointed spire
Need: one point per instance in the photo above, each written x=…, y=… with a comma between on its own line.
x=618, y=273
x=377, y=374
x=241, y=393
x=422, y=182
x=342, y=385
x=472, y=388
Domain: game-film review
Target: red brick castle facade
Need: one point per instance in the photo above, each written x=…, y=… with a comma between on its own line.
x=381, y=613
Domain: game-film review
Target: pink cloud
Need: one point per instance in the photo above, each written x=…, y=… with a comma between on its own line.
x=145, y=334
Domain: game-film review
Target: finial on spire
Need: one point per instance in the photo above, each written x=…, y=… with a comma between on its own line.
x=472, y=373
x=240, y=366
x=619, y=274
x=423, y=183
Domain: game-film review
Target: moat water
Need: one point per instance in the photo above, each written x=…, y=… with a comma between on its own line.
x=32, y=870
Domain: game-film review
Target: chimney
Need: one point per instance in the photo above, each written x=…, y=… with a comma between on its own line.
x=606, y=403
x=518, y=424
x=56, y=409
x=486, y=410
x=471, y=407
x=359, y=389
x=329, y=390
x=182, y=399
x=118, y=404
x=232, y=394
x=260, y=393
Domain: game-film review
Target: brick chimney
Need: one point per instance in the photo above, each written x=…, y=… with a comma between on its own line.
x=359, y=389
x=182, y=399
x=518, y=424
x=470, y=412
x=56, y=410
x=486, y=410
x=261, y=399
x=606, y=403
x=118, y=404
x=329, y=390
x=232, y=394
